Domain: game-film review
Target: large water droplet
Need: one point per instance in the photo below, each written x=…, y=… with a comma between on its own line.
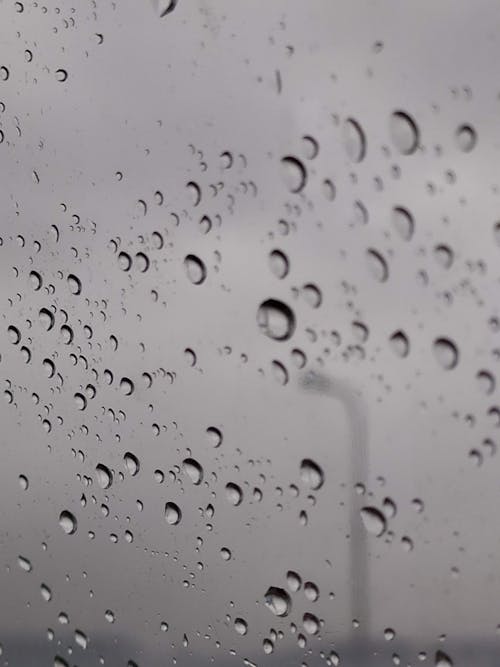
x=195, y=269
x=311, y=474
x=404, y=132
x=104, y=476
x=193, y=470
x=373, y=520
x=278, y=601
x=294, y=174
x=276, y=319
x=173, y=514
x=67, y=522
x=446, y=353
x=354, y=140
x=131, y=463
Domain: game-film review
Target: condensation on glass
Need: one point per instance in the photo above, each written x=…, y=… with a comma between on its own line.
x=250, y=333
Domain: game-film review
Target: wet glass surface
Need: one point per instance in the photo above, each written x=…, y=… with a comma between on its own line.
x=249, y=337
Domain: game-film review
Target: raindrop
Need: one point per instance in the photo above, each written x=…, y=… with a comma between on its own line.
x=311, y=474
x=278, y=262
x=193, y=470
x=311, y=591
x=234, y=494
x=131, y=463
x=377, y=265
x=195, y=269
x=81, y=639
x=67, y=522
x=74, y=284
x=442, y=660
x=104, y=476
x=46, y=592
x=312, y=295
x=311, y=624
x=276, y=319
x=35, y=280
x=172, y=514
x=124, y=261
x=404, y=132
x=14, y=334
x=278, y=601
x=293, y=173
x=399, y=344
x=354, y=140
x=214, y=436
x=240, y=625
x=126, y=386
x=486, y=382
x=373, y=520
x=164, y=7
x=80, y=401
x=293, y=581
x=446, y=353
x=46, y=318
x=443, y=256
x=403, y=222
x=61, y=74
x=24, y=564
x=194, y=192
x=466, y=138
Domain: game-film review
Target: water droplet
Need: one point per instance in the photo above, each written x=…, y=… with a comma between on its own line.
x=80, y=401
x=193, y=470
x=67, y=522
x=126, y=386
x=403, y=222
x=46, y=318
x=311, y=591
x=278, y=601
x=23, y=482
x=312, y=295
x=74, y=284
x=109, y=616
x=278, y=262
x=442, y=660
x=173, y=514
x=225, y=553
x=354, y=140
x=276, y=319
x=46, y=592
x=124, y=261
x=35, y=280
x=61, y=74
x=377, y=265
x=104, y=476
x=195, y=269
x=214, y=436
x=14, y=334
x=311, y=624
x=466, y=138
x=373, y=520
x=443, y=256
x=404, y=133
x=24, y=564
x=293, y=580
x=311, y=474
x=293, y=173
x=131, y=463
x=194, y=192
x=279, y=372
x=446, y=353
x=389, y=634
x=240, y=625
x=234, y=494
x=400, y=344
x=164, y=7
x=81, y=639
x=486, y=382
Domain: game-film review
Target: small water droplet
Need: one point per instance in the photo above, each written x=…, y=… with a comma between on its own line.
x=404, y=132
x=446, y=353
x=195, y=269
x=373, y=520
x=278, y=601
x=67, y=522
x=276, y=319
